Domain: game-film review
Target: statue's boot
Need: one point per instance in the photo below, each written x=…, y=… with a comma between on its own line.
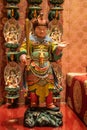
x=33, y=99
x=49, y=102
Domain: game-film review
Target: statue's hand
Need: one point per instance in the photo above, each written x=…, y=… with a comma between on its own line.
x=23, y=59
x=62, y=45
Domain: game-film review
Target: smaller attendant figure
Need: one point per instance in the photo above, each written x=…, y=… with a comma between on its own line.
x=12, y=76
x=12, y=33
x=56, y=36
x=12, y=36
x=12, y=80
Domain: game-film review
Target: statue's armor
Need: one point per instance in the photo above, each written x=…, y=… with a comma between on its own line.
x=40, y=55
x=39, y=77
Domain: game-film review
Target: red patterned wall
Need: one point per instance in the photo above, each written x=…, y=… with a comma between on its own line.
x=75, y=33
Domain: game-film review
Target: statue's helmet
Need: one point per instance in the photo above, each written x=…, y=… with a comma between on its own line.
x=40, y=21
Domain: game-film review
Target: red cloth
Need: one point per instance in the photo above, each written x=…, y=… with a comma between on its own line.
x=76, y=95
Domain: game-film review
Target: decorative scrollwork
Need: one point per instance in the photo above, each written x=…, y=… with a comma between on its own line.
x=56, y=1
x=34, y=1
x=13, y=1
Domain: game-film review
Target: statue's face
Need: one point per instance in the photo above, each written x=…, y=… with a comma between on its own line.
x=41, y=31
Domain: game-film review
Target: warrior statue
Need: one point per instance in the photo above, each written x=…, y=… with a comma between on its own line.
x=40, y=78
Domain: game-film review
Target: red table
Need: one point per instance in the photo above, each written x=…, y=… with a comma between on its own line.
x=76, y=94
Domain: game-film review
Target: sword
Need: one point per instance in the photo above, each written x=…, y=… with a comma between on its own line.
x=27, y=68
x=28, y=28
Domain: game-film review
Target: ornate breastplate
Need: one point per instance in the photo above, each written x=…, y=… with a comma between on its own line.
x=40, y=54
x=40, y=51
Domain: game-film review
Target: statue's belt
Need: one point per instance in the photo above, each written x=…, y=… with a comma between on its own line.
x=40, y=71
